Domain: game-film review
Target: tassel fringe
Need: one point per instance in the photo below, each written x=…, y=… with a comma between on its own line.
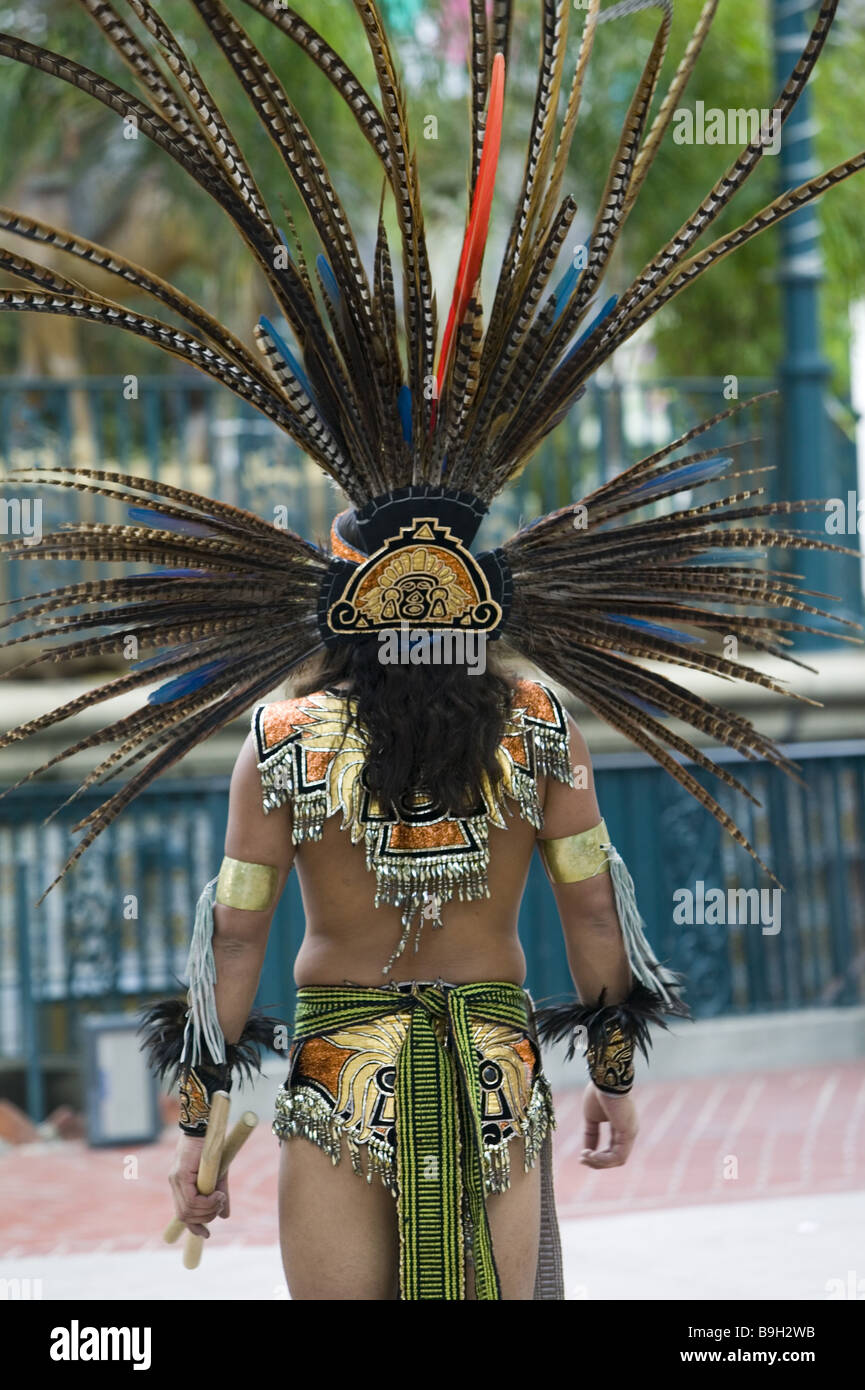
x=643, y=964
x=202, y=1023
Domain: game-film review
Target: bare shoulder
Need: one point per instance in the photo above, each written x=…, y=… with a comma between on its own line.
x=580, y=756
x=246, y=778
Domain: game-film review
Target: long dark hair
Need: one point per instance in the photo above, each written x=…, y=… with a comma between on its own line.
x=435, y=728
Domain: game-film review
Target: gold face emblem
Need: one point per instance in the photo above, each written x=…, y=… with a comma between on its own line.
x=424, y=576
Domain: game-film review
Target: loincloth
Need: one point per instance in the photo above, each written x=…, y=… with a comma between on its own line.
x=432, y=1083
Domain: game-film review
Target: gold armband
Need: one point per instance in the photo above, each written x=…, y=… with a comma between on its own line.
x=575, y=857
x=248, y=886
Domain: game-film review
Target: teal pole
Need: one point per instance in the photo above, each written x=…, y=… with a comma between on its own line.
x=811, y=463
x=29, y=1015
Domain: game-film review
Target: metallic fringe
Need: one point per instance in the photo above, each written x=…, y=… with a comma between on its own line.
x=302, y=1111
x=524, y=788
x=552, y=755
x=408, y=883
x=538, y=1121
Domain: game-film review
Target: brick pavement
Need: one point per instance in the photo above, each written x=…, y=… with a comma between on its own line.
x=725, y=1138
x=715, y=1140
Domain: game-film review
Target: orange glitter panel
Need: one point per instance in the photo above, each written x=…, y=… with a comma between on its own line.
x=281, y=719
x=526, y=1052
x=317, y=764
x=535, y=701
x=443, y=835
x=323, y=1061
x=515, y=745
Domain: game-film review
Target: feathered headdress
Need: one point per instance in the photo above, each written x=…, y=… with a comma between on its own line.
x=419, y=444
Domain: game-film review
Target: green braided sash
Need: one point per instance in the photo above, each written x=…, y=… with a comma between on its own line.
x=439, y=1126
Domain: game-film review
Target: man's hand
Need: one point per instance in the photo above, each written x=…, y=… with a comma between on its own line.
x=193, y=1209
x=620, y=1114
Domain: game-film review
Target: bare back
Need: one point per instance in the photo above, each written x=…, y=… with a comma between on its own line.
x=348, y=938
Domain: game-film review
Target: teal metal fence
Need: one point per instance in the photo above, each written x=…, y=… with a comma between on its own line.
x=116, y=931
x=191, y=432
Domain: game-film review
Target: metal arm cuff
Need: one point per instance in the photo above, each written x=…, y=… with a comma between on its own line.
x=251, y=887
x=610, y=1060
x=198, y=1086
x=575, y=857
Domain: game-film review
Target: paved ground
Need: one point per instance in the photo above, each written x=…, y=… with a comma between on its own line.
x=793, y=1248
x=740, y=1187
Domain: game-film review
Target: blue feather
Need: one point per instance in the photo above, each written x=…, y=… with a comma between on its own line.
x=645, y=705
x=170, y=574
x=608, y=307
x=671, y=634
x=568, y=283
x=288, y=356
x=184, y=685
x=687, y=475
x=328, y=278
x=596, y=321
x=403, y=405
x=168, y=523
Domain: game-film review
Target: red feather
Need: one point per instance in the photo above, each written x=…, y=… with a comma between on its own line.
x=476, y=233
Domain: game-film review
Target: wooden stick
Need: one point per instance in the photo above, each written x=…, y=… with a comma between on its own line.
x=233, y=1144
x=208, y=1171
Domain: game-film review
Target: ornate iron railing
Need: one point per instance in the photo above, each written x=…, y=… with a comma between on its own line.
x=186, y=430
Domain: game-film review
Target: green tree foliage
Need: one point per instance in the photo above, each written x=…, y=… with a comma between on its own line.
x=728, y=322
